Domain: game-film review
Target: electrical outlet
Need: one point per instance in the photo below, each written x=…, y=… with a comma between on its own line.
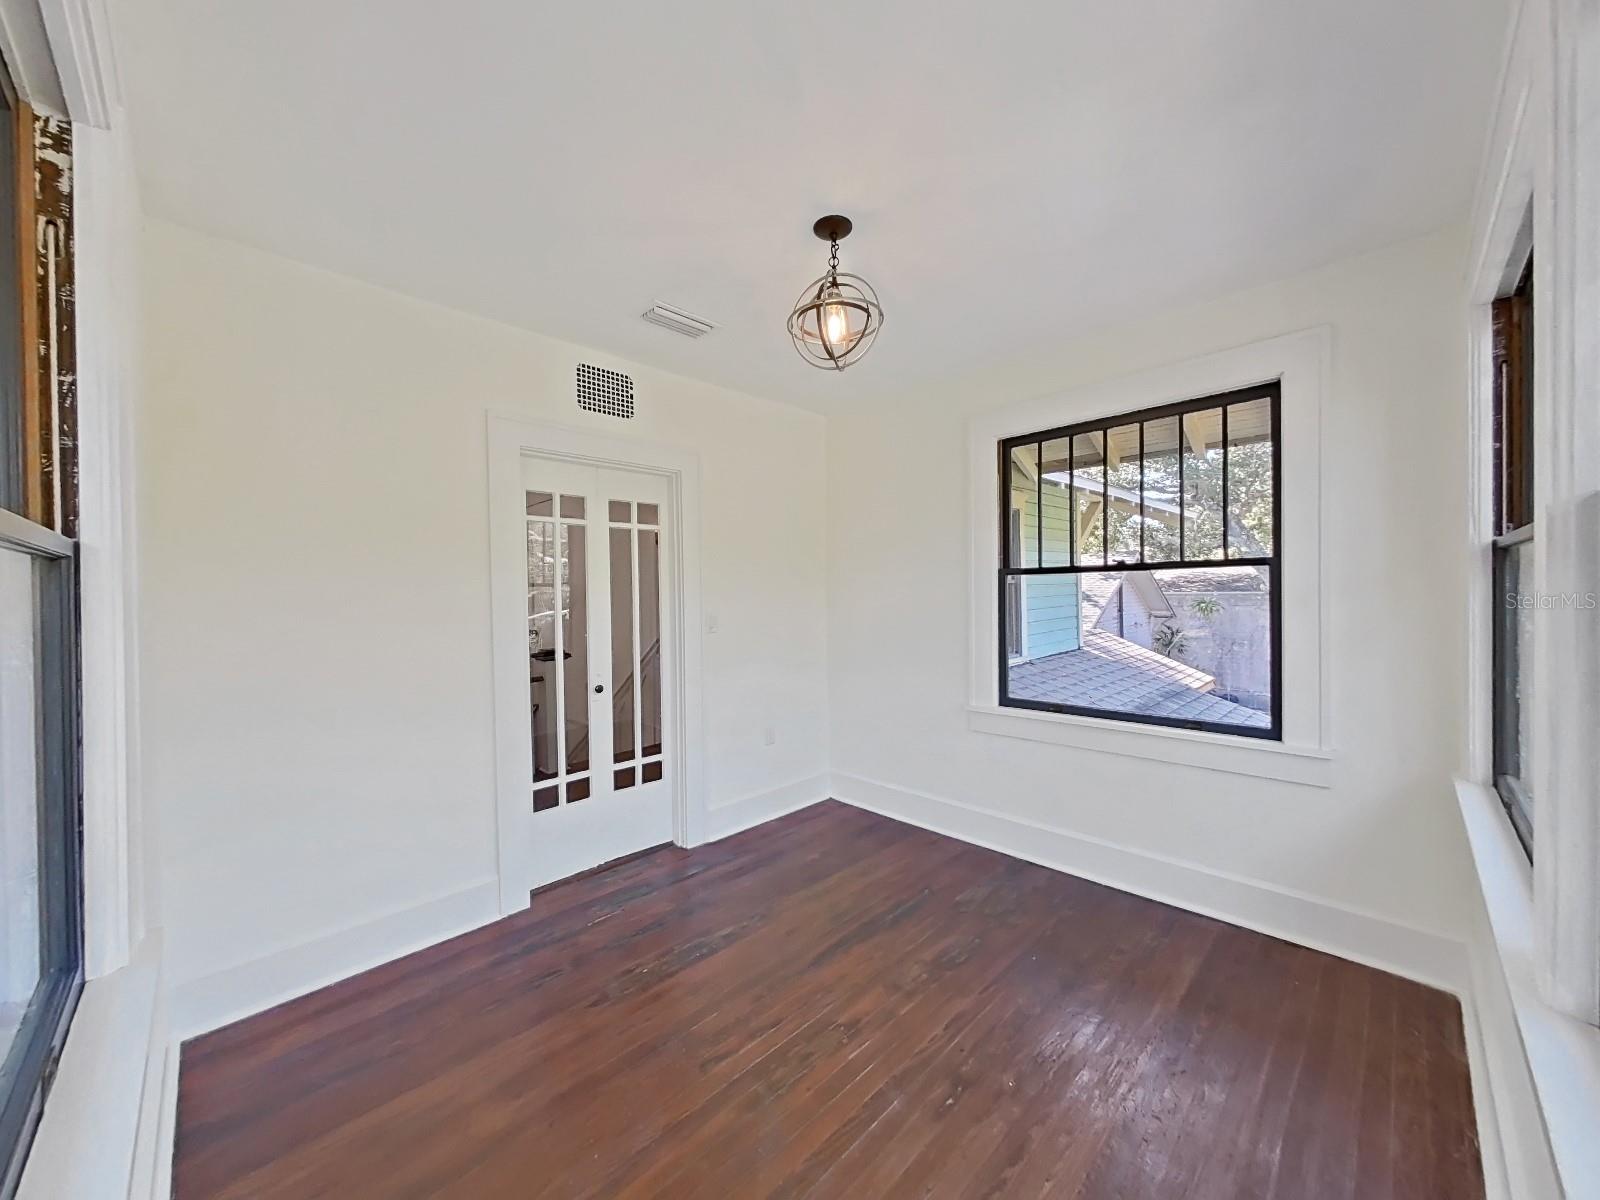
x=770, y=736
x=711, y=622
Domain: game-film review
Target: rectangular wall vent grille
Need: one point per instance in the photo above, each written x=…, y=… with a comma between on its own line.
x=609, y=393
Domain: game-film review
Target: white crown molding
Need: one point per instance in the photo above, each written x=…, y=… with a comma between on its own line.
x=60, y=57
x=80, y=36
x=25, y=46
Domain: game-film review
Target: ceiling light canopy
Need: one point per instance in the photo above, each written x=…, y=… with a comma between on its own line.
x=836, y=319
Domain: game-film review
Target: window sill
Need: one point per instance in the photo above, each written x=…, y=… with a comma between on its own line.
x=1306, y=765
x=89, y=1136
x=1563, y=1053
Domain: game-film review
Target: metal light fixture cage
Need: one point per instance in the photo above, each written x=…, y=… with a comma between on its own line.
x=837, y=317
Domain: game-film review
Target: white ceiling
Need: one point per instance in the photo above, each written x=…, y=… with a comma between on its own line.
x=1017, y=172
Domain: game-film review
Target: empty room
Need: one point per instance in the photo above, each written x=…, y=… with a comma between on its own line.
x=841, y=601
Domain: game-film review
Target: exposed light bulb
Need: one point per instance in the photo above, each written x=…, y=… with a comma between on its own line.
x=836, y=325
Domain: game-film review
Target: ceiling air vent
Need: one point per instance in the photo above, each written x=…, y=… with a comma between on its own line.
x=677, y=320
x=609, y=393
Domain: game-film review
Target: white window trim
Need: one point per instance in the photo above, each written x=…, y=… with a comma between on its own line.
x=1301, y=361
x=1544, y=157
x=107, y=1124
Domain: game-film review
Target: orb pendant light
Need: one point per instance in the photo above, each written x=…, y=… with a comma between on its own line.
x=837, y=317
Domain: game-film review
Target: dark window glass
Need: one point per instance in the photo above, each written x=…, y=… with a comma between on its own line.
x=1013, y=589
x=1124, y=479
x=1250, y=490
x=1514, y=605
x=1089, y=494
x=1159, y=501
x=1022, y=498
x=41, y=914
x=1201, y=463
x=1055, y=503
x=1141, y=618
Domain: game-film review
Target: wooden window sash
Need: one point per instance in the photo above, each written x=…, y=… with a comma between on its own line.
x=1512, y=319
x=44, y=238
x=35, y=435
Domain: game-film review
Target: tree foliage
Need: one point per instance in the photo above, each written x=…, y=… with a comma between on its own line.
x=1249, y=506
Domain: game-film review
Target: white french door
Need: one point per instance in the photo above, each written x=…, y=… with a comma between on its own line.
x=598, y=599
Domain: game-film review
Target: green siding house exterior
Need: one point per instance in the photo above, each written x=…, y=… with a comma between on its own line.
x=1050, y=602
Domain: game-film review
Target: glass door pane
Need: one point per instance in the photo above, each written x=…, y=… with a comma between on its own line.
x=575, y=648
x=635, y=571
x=623, y=743
x=558, y=646
x=650, y=641
x=544, y=699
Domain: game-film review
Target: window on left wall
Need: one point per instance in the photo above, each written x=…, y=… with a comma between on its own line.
x=41, y=844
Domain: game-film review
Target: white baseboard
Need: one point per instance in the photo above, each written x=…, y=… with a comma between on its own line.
x=727, y=819
x=233, y=993
x=236, y=992
x=1516, y=1162
x=1429, y=958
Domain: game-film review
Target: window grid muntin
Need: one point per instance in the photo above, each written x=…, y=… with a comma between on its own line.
x=1271, y=391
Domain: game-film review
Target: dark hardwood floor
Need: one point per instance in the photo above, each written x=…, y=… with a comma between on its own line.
x=838, y=1005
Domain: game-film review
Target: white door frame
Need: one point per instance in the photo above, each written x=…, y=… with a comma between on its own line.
x=510, y=438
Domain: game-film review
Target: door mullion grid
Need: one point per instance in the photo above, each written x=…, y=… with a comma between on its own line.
x=638, y=652
x=550, y=542
x=601, y=670
x=560, y=660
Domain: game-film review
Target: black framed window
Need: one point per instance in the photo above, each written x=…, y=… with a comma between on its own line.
x=1140, y=566
x=1512, y=553
x=41, y=843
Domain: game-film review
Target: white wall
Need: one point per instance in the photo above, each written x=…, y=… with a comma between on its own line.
x=1383, y=840
x=315, y=606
